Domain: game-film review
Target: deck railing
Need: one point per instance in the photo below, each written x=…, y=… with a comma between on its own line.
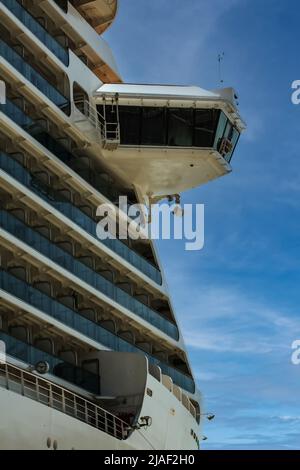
x=54, y=396
x=109, y=132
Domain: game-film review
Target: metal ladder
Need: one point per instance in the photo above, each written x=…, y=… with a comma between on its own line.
x=109, y=132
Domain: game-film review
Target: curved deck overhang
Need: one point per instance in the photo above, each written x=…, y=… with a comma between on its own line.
x=86, y=39
x=98, y=13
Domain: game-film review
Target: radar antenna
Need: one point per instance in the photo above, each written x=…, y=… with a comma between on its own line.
x=220, y=60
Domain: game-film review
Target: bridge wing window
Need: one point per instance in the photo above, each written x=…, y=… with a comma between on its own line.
x=235, y=135
x=220, y=129
x=226, y=132
x=180, y=127
x=153, y=126
x=130, y=124
x=206, y=121
x=174, y=127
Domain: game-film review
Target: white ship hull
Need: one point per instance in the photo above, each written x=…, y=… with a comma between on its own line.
x=38, y=414
x=94, y=355
x=28, y=425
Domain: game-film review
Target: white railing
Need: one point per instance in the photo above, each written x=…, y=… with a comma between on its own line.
x=54, y=396
x=108, y=131
x=167, y=382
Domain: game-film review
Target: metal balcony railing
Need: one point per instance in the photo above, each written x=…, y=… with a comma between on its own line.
x=94, y=279
x=54, y=396
x=109, y=132
x=34, y=77
x=87, y=327
x=58, y=367
x=38, y=30
x=18, y=116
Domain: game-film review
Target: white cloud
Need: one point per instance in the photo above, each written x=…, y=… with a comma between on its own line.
x=227, y=319
x=289, y=418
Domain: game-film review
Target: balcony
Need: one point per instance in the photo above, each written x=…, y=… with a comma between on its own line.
x=34, y=77
x=64, y=370
x=73, y=213
x=92, y=330
x=81, y=271
x=60, y=399
x=37, y=29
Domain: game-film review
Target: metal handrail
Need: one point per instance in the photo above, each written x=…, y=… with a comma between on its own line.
x=109, y=131
x=63, y=400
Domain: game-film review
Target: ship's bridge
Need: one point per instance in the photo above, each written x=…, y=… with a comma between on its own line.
x=167, y=139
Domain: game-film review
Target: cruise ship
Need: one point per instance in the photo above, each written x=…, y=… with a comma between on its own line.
x=94, y=357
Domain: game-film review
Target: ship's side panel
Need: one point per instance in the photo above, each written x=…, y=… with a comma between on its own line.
x=87, y=318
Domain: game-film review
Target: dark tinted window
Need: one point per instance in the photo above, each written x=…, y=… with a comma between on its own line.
x=153, y=126
x=130, y=124
x=180, y=127
x=220, y=129
x=205, y=127
x=234, y=140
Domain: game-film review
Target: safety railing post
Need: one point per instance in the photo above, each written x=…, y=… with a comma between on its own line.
x=86, y=412
x=22, y=383
x=37, y=389
x=7, y=376
x=63, y=401
x=96, y=418
x=115, y=427
x=105, y=423
x=50, y=396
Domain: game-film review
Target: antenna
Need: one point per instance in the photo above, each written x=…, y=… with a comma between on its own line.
x=220, y=59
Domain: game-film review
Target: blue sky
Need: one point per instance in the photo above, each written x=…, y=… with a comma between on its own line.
x=237, y=300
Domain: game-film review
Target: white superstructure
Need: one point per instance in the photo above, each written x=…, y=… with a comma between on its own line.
x=95, y=358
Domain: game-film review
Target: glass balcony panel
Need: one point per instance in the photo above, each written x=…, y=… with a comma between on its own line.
x=64, y=370
x=72, y=265
x=74, y=214
x=37, y=29
x=33, y=76
x=73, y=319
